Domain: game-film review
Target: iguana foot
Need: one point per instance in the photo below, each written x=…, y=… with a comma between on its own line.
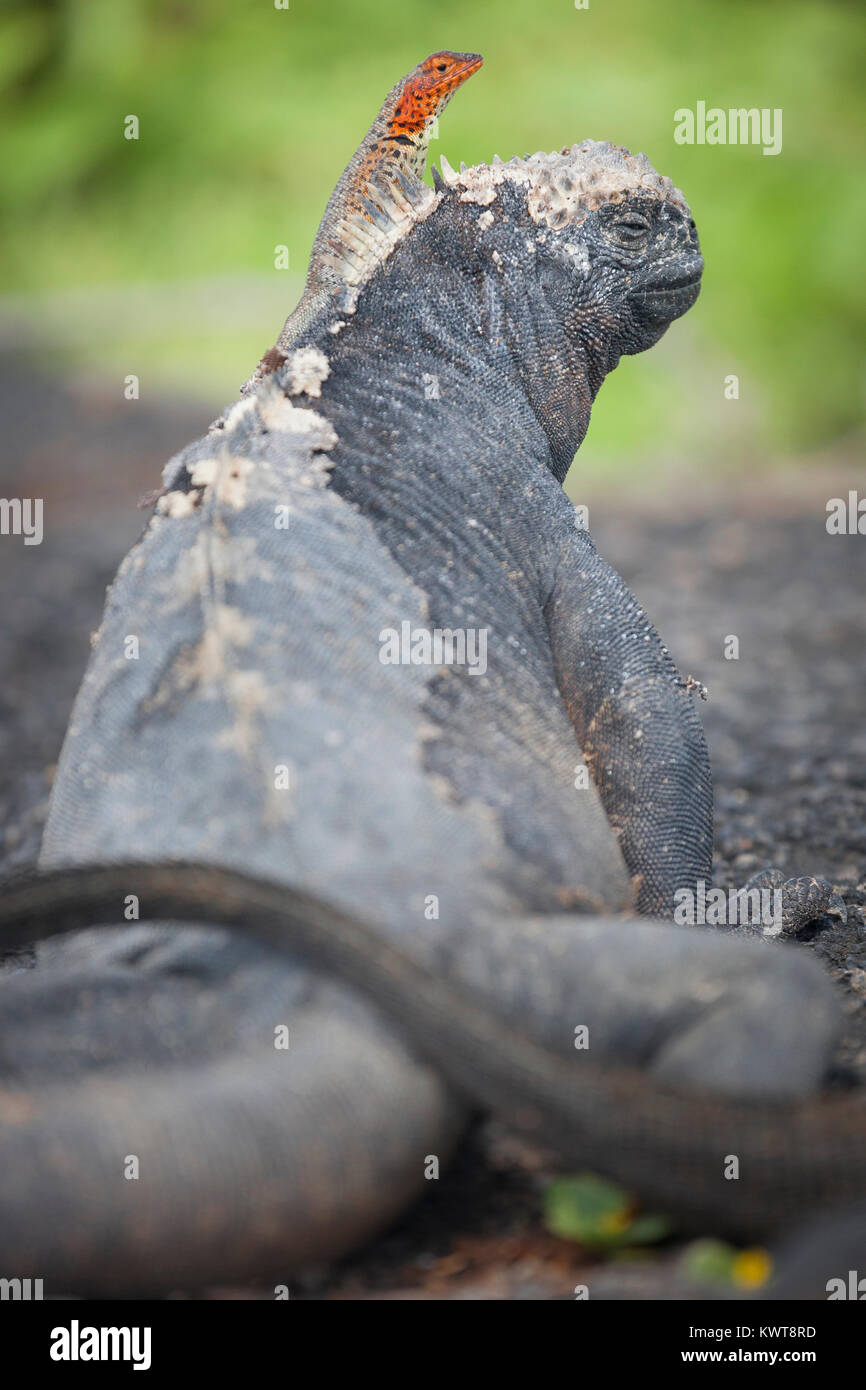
x=803, y=900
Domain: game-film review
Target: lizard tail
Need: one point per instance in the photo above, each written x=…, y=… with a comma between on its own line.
x=675, y=1148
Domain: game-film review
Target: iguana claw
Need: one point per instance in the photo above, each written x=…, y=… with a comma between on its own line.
x=805, y=899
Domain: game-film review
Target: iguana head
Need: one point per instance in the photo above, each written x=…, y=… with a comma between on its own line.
x=549, y=267
x=608, y=238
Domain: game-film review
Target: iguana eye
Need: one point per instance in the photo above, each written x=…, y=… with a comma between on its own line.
x=629, y=229
x=442, y=67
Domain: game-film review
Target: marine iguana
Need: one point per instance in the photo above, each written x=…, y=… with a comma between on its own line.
x=375, y=191
x=417, y=455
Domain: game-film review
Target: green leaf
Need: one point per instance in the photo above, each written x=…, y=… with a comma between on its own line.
x=599, y=1214
x=712, y=1261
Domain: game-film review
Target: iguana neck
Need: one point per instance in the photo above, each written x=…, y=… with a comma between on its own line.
x=497, y=352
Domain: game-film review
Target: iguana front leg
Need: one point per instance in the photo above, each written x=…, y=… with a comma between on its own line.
x=636, y=724
x=644, y=746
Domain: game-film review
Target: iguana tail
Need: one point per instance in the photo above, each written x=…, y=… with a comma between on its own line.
x=675, y=1149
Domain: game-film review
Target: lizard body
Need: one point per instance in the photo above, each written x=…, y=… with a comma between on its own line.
x=361, y=212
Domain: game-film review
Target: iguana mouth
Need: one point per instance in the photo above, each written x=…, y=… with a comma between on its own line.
x=670, y=298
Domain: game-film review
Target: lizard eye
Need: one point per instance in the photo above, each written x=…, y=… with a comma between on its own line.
x=443, y=67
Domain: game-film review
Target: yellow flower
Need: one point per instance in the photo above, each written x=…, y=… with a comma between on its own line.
x=751, y=1268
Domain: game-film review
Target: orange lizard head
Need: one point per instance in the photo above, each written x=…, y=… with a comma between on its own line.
x=427, y=90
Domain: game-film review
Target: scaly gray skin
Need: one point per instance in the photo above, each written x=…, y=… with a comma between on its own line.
x=515, y=290
x=672, y=1146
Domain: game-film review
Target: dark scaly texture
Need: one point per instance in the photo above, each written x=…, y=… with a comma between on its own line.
x=419, y=451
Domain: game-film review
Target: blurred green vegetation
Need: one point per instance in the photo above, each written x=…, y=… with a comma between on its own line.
x=248, y=113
